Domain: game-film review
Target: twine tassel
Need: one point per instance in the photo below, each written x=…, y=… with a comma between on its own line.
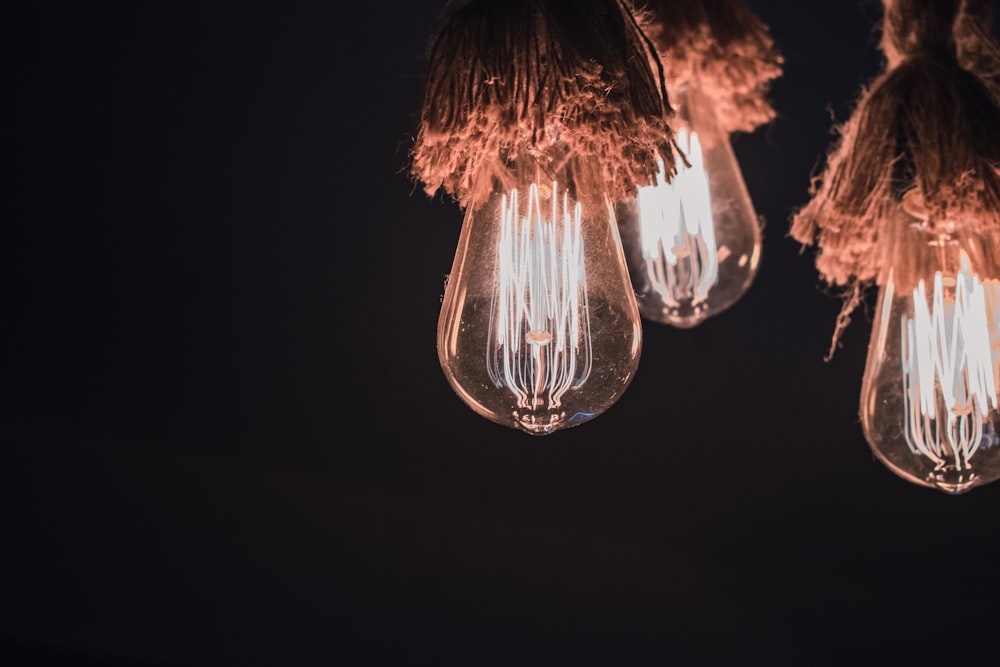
x=512, y=76
x=930, y=123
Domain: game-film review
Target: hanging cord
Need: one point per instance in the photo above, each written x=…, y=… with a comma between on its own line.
x=931, y=123
x=507, y=77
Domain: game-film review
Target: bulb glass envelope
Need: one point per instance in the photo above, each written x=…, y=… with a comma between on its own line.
x=930, y=390
x=539, y=328
x=692, y=243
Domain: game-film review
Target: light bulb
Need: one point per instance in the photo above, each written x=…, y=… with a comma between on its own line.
x=929, y=394
x=539, y=329
x=692, y=244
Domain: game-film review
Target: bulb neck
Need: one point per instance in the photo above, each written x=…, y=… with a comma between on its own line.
x=578, y=176
x=916, y=247
x=696, y=114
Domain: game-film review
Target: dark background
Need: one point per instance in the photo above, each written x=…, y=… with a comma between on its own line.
x=227, y=439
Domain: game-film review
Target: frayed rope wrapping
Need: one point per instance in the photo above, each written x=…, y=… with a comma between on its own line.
x=507, y=77
x=930, y=122
x=724, y=47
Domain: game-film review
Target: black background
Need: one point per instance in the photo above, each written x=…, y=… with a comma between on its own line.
x=228, y=441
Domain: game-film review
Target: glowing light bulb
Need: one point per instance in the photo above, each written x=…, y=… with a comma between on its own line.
x=692, y=244
x=539, y=328
x=929, y=395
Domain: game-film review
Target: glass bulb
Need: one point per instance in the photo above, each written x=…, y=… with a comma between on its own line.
x=539, y=328
x=929, y=394
x=693, y=244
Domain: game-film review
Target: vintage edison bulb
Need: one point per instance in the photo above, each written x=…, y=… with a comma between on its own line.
x=929, y=394
x=539, y=329
x=692, y=244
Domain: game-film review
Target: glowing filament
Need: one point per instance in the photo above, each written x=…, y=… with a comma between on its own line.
x=949, y=385
x=677, y=230
x=540, y=323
